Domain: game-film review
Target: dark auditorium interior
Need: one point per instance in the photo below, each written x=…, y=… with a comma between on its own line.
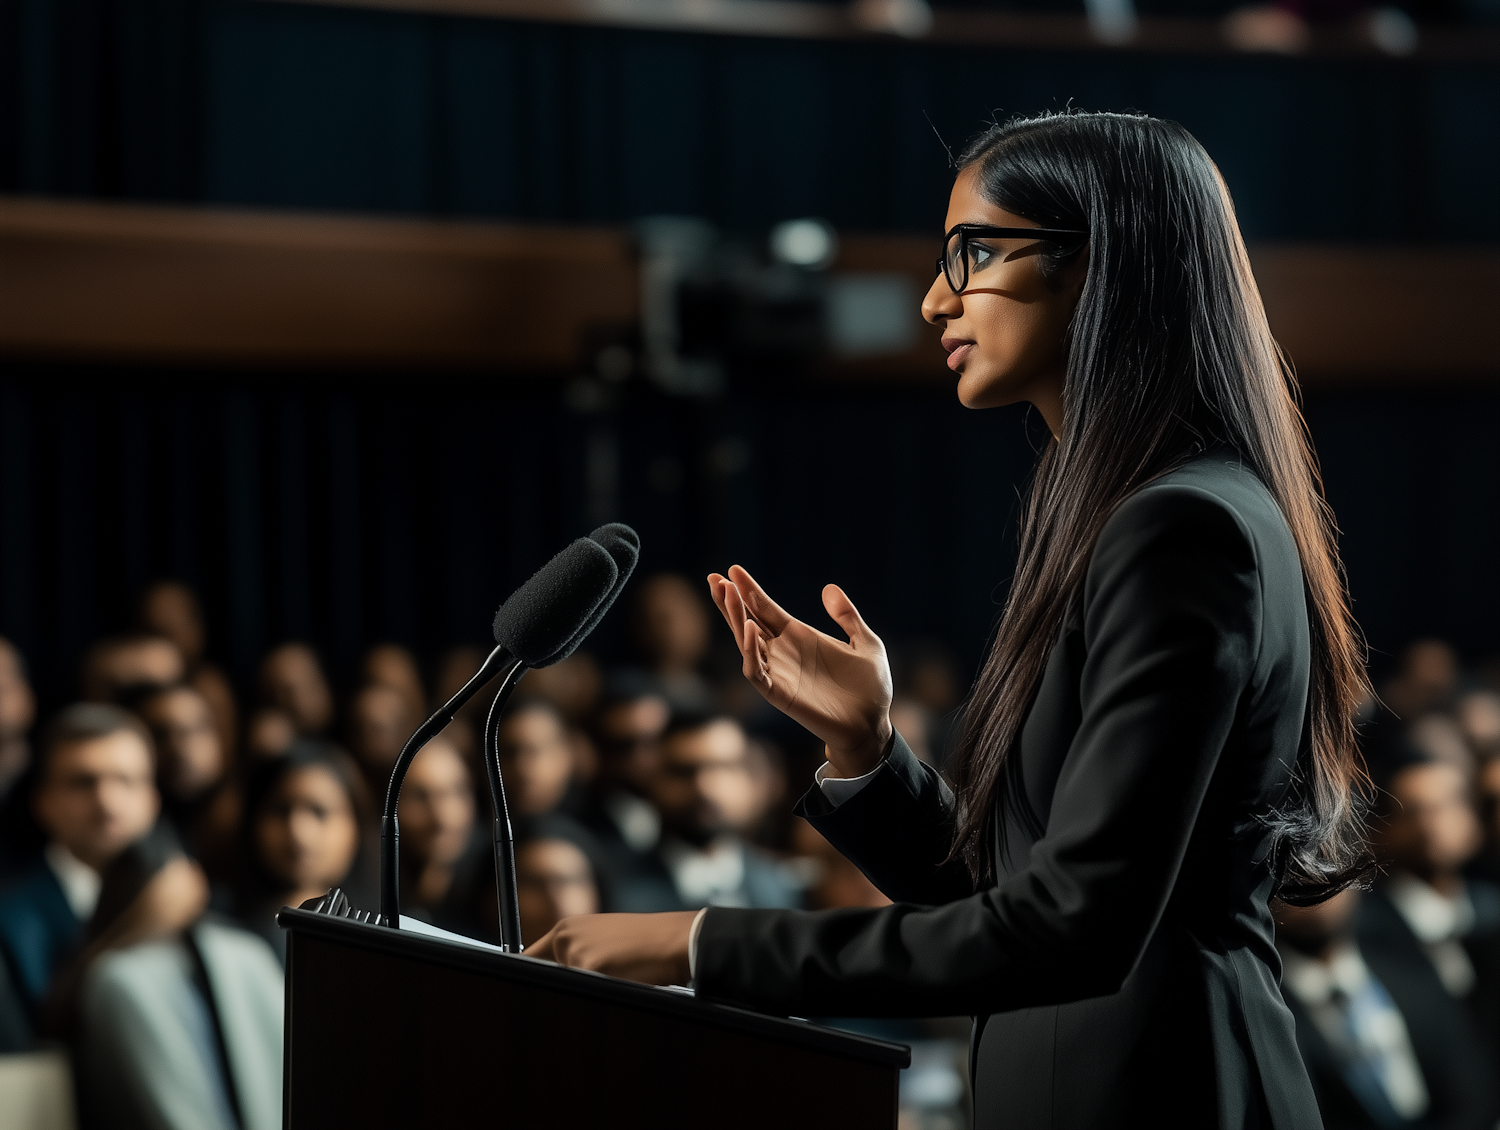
x=325, y=323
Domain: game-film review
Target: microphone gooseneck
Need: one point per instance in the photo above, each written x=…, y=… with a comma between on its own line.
x=500, y=830
x=390, y=834
x=539, y=624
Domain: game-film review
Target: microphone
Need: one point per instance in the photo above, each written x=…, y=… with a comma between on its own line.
x=540, y=623
x=622, y=545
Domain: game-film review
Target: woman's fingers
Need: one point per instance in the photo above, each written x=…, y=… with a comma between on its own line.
x=762, y=609
x=543, y=946
x=846, y=616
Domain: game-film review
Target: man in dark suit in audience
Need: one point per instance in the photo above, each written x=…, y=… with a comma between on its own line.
x=95, y=795
x=705, y=777
x=1424, y=915
x=1384, y=1044
x=616, y=808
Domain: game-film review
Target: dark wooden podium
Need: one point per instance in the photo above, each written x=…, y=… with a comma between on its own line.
x=391, y=1028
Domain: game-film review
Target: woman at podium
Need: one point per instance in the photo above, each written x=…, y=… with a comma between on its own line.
x=1161, y=739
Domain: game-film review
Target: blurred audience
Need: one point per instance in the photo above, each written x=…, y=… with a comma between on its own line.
x=455, y=669
x=391, y=665
x=1427, y=680
x=381, y=718
x=627, y=730
x=95, y=794
x=121, y=666
x=705, y=784
x=1384, y=1044
x=17, y=713
x=270, y=733
x=554, y=873
x=176, y=1017
x=292, y=681
x=536, y=757
x=1425, y=915
x=170, y=609
x=305, y=815
x=572, y=686
x=447, y=870
x=671, y=625
x=191, y=764
x=913, y=722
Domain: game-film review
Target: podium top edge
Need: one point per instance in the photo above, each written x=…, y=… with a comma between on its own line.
x=517, y=967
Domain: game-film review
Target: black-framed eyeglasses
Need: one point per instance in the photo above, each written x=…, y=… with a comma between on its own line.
x=959, y=254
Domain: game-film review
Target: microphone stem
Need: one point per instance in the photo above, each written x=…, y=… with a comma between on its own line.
x=390, y=832
x=504, y=840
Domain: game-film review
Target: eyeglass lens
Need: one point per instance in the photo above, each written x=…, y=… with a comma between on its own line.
x=955, y=269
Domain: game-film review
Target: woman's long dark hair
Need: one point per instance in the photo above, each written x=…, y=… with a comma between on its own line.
x=1168, y=353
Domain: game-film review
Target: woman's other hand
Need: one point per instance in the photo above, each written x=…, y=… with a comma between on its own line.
x=652, y=948
x=839, y=691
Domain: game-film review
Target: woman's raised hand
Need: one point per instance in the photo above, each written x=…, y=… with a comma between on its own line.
x=839, y=691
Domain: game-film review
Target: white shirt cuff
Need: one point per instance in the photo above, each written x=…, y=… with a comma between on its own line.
x=693, y=943
x=840, y=789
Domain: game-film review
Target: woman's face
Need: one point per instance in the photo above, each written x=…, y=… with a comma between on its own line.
x=1004, y=333
x=306, y=833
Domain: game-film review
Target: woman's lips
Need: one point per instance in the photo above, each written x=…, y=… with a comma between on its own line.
x=957, y=356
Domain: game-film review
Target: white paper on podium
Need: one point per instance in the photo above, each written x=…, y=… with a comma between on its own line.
x=417, y=926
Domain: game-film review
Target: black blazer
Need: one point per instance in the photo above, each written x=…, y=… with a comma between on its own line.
x=1122, y=970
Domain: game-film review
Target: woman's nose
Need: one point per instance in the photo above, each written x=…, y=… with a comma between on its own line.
x=941, y=303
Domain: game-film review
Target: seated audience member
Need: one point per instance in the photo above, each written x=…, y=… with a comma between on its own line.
x=292, y=680
x=672, y=634
x=536, y=757
x=627, y=736
x=554, y=873
x=95, y=794
x=302, y=832
x=1486, y=865
x=444, y=851
x=1478, y=716
x=391, y=665
x=1384, y=1044
x=1439, y=737
x=176, y=1016
x=703, y=778
x=831, y=881
x=1426, y=680
x=18, y=833
x=380, y=720
x=17, y=712
x=169, y=608
x=270, y=733
x=128, y=665
x=1425, y=914
x=191, y=766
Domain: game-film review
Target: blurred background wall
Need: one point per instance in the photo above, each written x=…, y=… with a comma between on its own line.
x=344, y=502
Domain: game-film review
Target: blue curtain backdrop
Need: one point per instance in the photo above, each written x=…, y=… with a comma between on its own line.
x=349, y=513
x=254, y=103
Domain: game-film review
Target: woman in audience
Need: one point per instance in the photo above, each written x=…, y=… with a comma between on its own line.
x=304, y=815
x=536, y=758
x=447, y=864
x=555, y=874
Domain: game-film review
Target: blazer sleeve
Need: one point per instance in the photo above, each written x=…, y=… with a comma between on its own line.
x=1171, y=628
x=898, y=829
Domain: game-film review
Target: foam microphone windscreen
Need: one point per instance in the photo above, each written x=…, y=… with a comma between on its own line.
x=622, y=544
x=538, y=622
